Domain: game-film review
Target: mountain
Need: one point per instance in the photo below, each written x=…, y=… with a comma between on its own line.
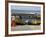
x=25, y=11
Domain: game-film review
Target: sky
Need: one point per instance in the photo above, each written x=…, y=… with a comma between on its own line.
x=25, y=9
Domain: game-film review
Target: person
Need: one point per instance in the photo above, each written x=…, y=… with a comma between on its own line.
x=13, y=23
